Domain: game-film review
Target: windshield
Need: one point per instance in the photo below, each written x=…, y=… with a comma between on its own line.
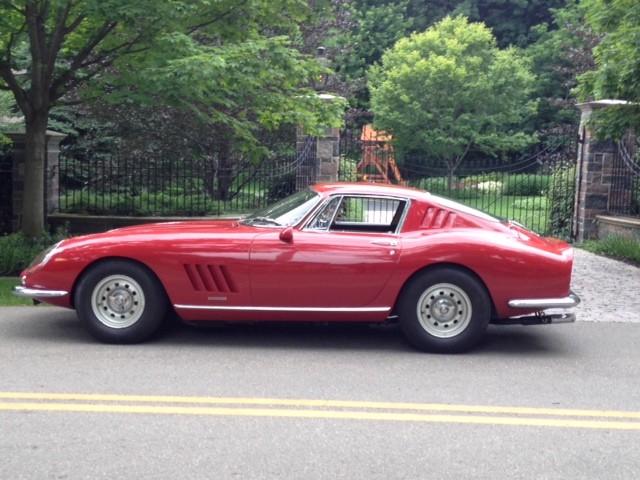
x=288, y=211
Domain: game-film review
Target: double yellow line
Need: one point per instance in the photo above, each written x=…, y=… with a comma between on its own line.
x=320, y=409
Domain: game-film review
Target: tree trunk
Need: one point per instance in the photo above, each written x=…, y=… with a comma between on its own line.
x=225, y=170
x=34, y=168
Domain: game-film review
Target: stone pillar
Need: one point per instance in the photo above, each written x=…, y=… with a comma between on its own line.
x=594, y=175
x=51, y=174
x=327, y=154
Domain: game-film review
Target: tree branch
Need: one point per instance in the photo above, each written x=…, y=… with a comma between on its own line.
x=80, y=60
x=197, y=27
x=54, y=45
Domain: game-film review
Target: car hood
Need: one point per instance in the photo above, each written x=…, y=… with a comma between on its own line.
x=177, y=227
x=167, y=232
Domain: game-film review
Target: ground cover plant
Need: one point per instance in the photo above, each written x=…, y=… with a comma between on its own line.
x=615, y=246
x=7, y=298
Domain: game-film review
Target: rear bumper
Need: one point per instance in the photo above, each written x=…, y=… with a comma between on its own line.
x=37, y=293
x=543, y=303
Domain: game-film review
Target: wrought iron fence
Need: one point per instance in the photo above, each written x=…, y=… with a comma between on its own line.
x=114, y=185
x=624, y=198
x=6, y=192
x=537, y=191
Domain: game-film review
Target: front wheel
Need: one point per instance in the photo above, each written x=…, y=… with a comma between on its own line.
x=120, y=302
x=445, y=310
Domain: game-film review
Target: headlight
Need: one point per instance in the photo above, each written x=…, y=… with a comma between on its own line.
x=43, y=257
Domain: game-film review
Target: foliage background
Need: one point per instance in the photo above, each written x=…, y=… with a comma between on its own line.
x=227, y=82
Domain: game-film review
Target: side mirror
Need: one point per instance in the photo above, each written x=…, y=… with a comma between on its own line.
x=286, y=235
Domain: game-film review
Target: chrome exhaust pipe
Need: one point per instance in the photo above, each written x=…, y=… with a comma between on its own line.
x=539, y=319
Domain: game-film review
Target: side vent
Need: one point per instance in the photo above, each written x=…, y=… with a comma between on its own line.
x=439, y=218
x=210, y=278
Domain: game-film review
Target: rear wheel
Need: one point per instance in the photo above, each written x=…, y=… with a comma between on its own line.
x=445, y=310
x=120, y=302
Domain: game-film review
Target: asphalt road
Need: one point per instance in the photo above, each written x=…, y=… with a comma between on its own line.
x=301, y=401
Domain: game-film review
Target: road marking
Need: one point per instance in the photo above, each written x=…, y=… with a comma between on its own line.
x=320, y=409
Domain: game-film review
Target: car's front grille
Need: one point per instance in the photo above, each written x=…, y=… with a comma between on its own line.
x=210, y=278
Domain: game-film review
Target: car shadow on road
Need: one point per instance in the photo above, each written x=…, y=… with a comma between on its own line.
x=47, y=325
x=518, y=340
x=497, y=340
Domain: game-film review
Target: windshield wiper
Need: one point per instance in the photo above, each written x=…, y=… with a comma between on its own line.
x=262, y=220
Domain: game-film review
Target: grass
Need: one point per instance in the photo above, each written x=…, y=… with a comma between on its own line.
x=615, y=246
x=529, y=211
x=7, y=298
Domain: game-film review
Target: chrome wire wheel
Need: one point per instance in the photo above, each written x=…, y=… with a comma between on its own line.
x=444, y=310
x=118, y=301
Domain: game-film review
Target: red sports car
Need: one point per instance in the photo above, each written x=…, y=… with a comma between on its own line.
x=339, y=252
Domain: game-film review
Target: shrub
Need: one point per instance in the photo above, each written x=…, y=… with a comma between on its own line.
x=527, y=184
x=489, y=186
x=284, y=185
x=17, y=251
x=437, y=185
x=460, y=189
x=347, y=171
x=532, y=203
x=561, y=199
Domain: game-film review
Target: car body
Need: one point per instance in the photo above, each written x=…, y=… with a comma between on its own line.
x=351, y=252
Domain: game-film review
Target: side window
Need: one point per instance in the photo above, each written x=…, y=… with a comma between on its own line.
x=368, y=214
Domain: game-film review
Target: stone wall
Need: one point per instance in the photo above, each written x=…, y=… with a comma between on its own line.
x=618, y=226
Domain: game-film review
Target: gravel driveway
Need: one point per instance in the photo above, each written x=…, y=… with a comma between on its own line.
x=609, y=289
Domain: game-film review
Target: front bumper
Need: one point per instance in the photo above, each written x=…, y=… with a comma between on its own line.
x=21, y=291
x=543, y=303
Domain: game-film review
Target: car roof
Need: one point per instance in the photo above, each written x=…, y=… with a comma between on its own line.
x=367, y=188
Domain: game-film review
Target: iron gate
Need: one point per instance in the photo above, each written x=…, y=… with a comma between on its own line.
x=625, y=182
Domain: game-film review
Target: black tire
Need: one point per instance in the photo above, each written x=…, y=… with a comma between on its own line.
x=120, y=302
x=445, y=310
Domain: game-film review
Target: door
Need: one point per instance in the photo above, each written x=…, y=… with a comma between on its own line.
x=343, y=258
x=321, y=269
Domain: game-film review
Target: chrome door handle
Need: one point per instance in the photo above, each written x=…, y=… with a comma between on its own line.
x=388, y=243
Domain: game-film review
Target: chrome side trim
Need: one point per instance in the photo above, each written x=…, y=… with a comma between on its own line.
x=283, y=309
x=542, y=303
x=35, y=293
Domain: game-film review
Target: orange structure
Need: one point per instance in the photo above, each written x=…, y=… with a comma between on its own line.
x=378, y=164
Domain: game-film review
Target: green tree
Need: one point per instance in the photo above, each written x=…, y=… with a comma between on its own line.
x=561, y=53
x=7, y=106
x=512, y=21
x=376, y=26
x=209, y=57
x=617, y=63
x=450, y=90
